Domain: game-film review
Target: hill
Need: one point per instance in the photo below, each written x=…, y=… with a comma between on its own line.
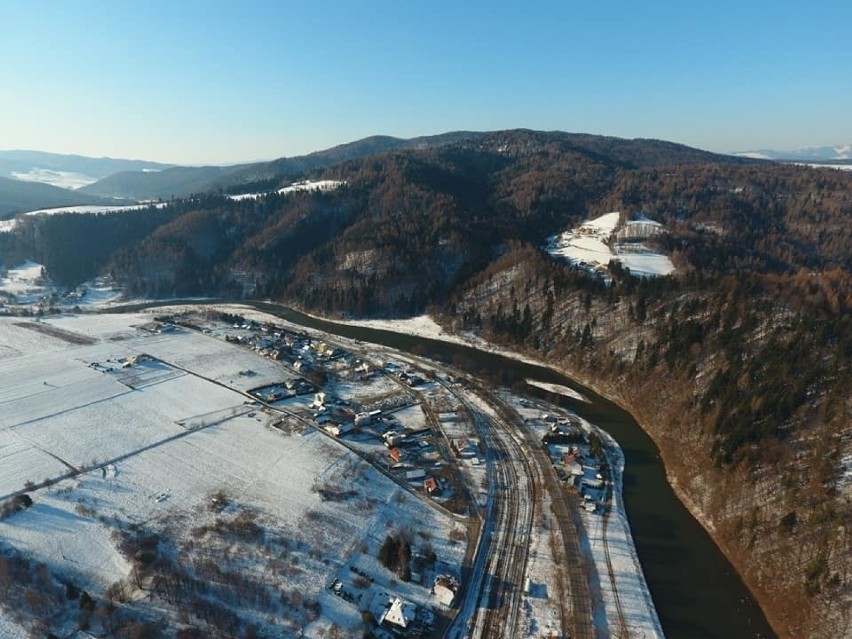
x=17, y=197
x=165, y=184
x=184, y=181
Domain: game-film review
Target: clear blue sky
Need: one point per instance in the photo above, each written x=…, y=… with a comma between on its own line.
x=215, y=82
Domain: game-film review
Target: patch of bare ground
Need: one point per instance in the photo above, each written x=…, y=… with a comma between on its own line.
x=59, y=333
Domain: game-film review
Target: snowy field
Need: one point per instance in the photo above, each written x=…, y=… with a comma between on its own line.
x=557, y=389
x=121, y=440
x=24, y=285
x=592, y=246
x=7, y=226
x=837, y=167
x=307, y=185
x=539, y=612
x=94, y=208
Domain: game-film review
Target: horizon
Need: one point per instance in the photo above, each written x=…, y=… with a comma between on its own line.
x=837, y=145
x=209, y=83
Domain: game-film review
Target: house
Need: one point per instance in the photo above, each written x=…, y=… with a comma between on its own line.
x=319, y=400
x=431, y=485
x=445, y=589
x=415, y=475
x=395, y=455
x=393, y=439
x=398, y=613
x=574, y=468
x=363, y=419
x=337, y=430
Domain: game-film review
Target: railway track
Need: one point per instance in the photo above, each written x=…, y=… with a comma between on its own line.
x=577, y=617
x=623, y=628
x=515, y=492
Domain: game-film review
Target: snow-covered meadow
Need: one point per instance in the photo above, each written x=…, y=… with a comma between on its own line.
x=28, y=284
x=596, y=243
x=306, y=185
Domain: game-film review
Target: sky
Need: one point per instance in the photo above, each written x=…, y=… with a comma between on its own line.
x=219, y=82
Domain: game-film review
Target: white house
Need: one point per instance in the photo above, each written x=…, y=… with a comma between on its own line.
x=398, y=613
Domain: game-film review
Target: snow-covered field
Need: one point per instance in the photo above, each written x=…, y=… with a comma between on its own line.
x=25, y=283
x=121, y=441
x=307, y=185
x=558, y=389
x=839, y=167
x=593, y=245
x=93, y=208
x=7, y=226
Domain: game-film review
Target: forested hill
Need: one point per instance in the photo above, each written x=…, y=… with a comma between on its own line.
x=185, y=181
x=738, y=364
x=17, y=196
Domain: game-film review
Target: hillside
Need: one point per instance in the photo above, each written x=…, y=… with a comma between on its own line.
x=185, y=181
x=17, y=197
x=738, y=363
x=165, y=184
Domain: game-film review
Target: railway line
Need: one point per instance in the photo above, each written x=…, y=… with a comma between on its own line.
x=577, y=615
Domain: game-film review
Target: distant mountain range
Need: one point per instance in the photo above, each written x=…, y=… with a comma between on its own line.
x=66, y=171
x=137, y=180
x=804, y=154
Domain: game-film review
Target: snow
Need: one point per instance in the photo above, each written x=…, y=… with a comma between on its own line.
x=754, y=155
x=592, y=246
x=93, y=208
x=420, y=325
x=558, y=389
x=636, y=604
x=307, y=185
x=25, y=283
x=839, y=167
x=62, y=179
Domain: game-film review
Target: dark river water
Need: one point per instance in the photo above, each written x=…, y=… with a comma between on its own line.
x=695, y=589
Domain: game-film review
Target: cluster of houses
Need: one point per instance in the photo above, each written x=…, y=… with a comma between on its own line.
x=303, y=353
x=404, y=618
x=570, y=453
x=410, y=452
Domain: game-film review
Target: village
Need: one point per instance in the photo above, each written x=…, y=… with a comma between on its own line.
x=398, y=453
x=408, y=423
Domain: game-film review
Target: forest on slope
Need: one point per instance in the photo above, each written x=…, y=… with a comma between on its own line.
x=738, y=365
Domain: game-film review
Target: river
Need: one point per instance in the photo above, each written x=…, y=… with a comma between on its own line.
x=696, y=591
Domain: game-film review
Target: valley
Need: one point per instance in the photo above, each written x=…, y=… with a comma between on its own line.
x=714, y=307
